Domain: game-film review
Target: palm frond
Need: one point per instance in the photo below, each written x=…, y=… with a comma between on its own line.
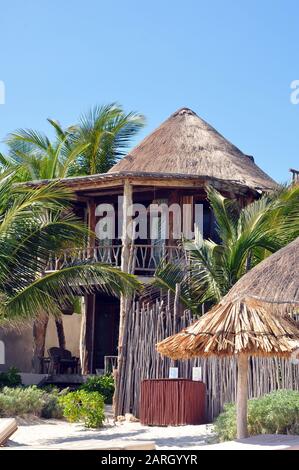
x=42, y=294
x=247, y=236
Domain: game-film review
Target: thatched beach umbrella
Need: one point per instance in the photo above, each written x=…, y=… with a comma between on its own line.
x=242, y=325
x=273, y=281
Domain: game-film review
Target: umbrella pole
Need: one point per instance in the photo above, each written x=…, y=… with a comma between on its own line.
x=242, y=392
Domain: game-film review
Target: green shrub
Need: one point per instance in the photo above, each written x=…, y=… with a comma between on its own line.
x=103, y=384
x=274, y=413
x=51, y=407
x=83, y=406
x=11, y=378
x=21, y=401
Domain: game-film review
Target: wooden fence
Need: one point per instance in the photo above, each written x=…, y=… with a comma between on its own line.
x=148, y=324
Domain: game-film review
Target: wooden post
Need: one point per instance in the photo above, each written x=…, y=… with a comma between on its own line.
x=242, y=393
x=124, y=301
x=126, y=237
x=87, y=334
x=91, y=210
x=173, y=198
x=125, y=257
x=188, y=216
x=88, y=307
x=39, y=340
x=176, y=314
x=83, y=348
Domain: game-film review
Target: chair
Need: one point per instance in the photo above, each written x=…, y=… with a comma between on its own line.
x=8, y=426
x=61, y=361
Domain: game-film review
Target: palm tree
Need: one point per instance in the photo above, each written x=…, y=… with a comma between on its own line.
x=34, y=224
x=246, y=236
x=107, y=132
x=94, y=145
x=36, y=157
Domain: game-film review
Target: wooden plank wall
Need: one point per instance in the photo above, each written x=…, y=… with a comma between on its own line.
x=148, y=324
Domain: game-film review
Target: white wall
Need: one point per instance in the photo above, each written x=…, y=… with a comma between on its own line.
x=19, y=343
x=18, y=348
x=72, y=324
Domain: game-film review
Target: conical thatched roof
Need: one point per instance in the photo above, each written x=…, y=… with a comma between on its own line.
x=186, y=144
x=234, y=328
x=274, y=280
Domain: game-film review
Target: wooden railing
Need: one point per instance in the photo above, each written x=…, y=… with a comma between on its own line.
x=147, y=258
x=144, y=259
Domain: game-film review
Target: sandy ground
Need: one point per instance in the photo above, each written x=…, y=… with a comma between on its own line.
x=36, y=432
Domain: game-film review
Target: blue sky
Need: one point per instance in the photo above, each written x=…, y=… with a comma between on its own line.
x=230, y=61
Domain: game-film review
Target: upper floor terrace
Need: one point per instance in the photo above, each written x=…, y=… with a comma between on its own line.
x=173, y=166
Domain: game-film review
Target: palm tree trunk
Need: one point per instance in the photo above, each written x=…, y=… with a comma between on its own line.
x=39, y=341
x=242, y=392
x=60, y=332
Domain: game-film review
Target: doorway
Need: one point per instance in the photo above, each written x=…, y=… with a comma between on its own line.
x=106, y=328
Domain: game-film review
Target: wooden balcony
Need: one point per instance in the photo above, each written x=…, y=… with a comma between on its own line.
x=144, y=259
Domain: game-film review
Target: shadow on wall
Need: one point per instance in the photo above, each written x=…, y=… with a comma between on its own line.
x=18, y=348
x=19, y=343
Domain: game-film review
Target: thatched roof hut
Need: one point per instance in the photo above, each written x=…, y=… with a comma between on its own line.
x=185, y=144
x=243, y=324
x=275, y=280
x=184, y=152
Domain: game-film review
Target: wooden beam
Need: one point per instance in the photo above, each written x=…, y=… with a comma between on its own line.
x=187, y=182
x=91, y=210
x=126, y=237
x=87, y=334
x=173, y=198
x=88, y=309
x=187, y=216
x=242, y=396
x=81, y=184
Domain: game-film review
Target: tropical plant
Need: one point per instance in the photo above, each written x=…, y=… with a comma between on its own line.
x=11, y=378
x=37, y=157
x=51, y=406
x=274, y=413
x=94, y=145
x=246, y=236
x=106, y=132
x=21, y=401
x=34, y=224
x=103, y=384
x=83, y=406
